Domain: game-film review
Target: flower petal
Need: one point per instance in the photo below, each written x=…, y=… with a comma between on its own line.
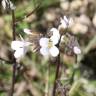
x=12, y=5
x=54, y=39
x=27, y=31
x=63, y=23
x=77, y=50
x=16, y=44
x=55, y=32
x=20, y=52
x=54, y=51
x=66, y=22
x=4, y=4
x=44, y=42
x=65, y=19
x=44, y=51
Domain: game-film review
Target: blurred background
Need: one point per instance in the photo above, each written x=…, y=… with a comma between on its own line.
x=35, y=75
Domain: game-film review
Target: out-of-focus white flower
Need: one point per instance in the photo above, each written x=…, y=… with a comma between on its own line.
x=48, y=47
x=4, y=3
x=20, y=48
x=77, y=50
x=66, y=22
x=27, y=31
x=12, y=6
x=8, y=4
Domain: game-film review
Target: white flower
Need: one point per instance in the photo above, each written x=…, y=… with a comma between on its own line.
x=8, y=4
x=77, y=50
x=48, y=47
x=4, y=3
x=27, y=31
x=66, y=22
x=12, y=7
x=20, y=48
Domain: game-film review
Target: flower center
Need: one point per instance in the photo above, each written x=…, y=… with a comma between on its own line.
x=50, y=44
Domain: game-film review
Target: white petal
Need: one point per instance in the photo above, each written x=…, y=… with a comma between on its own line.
x=63, y=23
x=62, y=38
x=71, y=22
x=54, y=39
x=4, y=4
x=12, y=5
x=44, y=42
x=66, y=19
x=27, y=31
x=20, y=52
x=44, y=51
x=76, y=50
x=54, y=51
x=55, y=32
x=17, y=44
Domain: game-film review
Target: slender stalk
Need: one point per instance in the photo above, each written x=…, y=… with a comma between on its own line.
x=13, y=25
x=14, y=60
x=56, y=75
x=28, y=14
x=57, y=70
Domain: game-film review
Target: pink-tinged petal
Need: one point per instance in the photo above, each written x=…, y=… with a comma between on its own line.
x=17, y=44
x=65, y=19
x=44, y=51
x=63, y=23
x=27, y=31
x=44, y=42
x=77, y=50
x=54, y=51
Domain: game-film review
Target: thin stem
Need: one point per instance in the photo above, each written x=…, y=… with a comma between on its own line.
x=56, y=75
x=29, y=14
x=13, y=25
x=14, y=60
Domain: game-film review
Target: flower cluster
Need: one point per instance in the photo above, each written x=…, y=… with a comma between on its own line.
x=48, y=45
